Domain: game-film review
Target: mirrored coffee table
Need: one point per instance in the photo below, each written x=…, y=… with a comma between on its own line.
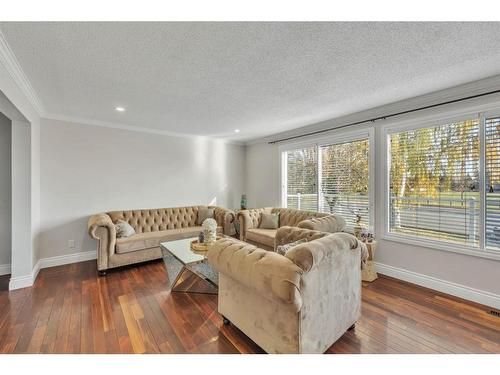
x=179, y=257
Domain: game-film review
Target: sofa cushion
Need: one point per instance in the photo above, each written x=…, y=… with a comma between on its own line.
x=263, y=236
x=149, y=240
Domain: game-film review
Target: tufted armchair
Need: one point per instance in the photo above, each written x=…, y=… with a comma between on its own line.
x=301, y=302
x=265, y=238
x=152, y=227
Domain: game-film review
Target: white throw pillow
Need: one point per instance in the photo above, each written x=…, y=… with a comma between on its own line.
x=269, y=221
x=283, y=249
x=123, y=229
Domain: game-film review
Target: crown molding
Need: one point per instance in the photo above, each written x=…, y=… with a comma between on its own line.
x=139, y=129
x=9, y=60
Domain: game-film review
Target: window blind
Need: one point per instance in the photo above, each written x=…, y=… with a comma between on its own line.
x=434, y=182
x=301, y=179
x=344, y=179
x=342, y=173
x=492, y=183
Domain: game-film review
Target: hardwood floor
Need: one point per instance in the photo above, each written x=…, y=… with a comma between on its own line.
x=72, y=310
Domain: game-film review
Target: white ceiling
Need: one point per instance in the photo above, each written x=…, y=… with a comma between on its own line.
x=263, y=78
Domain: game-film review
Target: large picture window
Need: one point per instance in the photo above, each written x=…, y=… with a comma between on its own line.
x=442, y=182
x=434, y=182
x=331, y=177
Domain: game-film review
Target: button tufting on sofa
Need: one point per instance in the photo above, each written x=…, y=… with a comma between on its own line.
x=177, y=221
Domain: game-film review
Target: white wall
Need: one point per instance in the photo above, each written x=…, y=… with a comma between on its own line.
x=17, y=102
x=5, y=192
x=464, y=275
x=262, y=175
x=88, y=169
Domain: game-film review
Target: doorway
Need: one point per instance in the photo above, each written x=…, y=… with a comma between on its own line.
x=18, y=222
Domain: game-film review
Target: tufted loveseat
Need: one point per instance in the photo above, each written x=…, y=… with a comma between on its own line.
x=152, y=227
x=264, y=238
x=301, y=302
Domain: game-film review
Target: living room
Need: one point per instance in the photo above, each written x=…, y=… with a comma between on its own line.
x=249, y=187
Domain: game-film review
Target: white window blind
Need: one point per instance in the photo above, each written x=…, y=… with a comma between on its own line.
x=331, y=178
x=492, y=185
x=301, y=179
x=434, y=182
x=344, y=180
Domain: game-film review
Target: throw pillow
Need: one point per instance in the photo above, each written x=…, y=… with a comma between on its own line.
x=205, y=213
x=123, y=229
x=283, y=249
x=269, y=221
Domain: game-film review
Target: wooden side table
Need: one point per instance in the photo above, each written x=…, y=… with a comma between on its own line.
x=369, y=273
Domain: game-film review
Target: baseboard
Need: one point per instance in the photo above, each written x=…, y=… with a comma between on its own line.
x=29, y=280
x=22, y=281
x=67, y=259
x=4, y=269
x=448, y=287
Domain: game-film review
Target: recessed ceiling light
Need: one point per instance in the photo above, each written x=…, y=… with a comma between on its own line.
x=236, y=130
x=120, y=109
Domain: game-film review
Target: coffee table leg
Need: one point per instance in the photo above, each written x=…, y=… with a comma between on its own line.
x=174, y=268
x=205, y=271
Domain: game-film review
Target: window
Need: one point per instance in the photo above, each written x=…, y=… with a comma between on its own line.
x=301, y=181
x=330, y=177
x=434, y=182
x=492, y=183
x=344, y=180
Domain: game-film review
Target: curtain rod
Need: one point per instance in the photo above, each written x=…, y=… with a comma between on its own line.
x=384, y=117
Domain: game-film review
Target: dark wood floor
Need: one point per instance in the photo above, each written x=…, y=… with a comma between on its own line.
x=72, y=310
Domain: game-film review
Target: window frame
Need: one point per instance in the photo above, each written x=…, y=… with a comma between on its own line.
x=335, y=137
x=429, y=121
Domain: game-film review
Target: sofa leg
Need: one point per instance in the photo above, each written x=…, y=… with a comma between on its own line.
x=225, y=321
x=102, y=273
x=352, y=327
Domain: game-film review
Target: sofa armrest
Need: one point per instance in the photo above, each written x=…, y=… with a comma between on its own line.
x=270, y=274
x=225, y=218
x=249, y=219
x=285, y=235
x=102, y=223
x=329, y=223
x=100, y=220
x=309, y=255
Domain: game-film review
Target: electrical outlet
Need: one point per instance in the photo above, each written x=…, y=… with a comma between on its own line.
x=71, y=244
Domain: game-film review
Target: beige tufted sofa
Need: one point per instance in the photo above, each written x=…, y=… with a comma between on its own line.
x=152, y=227
x=299, y=303
x=264, y=238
